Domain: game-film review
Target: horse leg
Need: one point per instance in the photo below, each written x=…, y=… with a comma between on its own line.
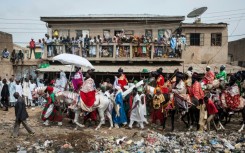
x=172, y=118
x=108, y=114
x=76, y=118
x=102, y=118
x=243, y=117
x=183, y=119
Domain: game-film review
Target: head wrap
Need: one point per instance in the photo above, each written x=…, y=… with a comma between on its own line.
x=195, y=75
x=208, y=67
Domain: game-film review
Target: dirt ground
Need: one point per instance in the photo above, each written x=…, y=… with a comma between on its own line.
x=79, y=139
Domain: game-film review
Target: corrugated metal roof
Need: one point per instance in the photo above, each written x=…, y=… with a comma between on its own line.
x=57, y=68
x=199, y=68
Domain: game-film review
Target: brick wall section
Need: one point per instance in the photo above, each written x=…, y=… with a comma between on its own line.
x=237, y=50
x=6, y=41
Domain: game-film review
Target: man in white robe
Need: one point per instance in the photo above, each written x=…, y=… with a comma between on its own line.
x=1, y=86
x=12, y=90
x=136, y=114
x=63, y=80
x=19, y=88
x=26, y=90
x=31, y=89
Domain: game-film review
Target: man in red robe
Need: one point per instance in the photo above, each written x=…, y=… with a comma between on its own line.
x=161, y=82
x=209, y=76
x=88, y=90
x=122, y=80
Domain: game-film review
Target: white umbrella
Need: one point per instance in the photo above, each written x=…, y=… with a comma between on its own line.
x=73, y=60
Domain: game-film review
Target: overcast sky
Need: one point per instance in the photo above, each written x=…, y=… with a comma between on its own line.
x=230, y=11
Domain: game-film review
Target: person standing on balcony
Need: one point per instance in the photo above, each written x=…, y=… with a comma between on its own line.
x=32, y=47
x=173, y=44
x=41, y=44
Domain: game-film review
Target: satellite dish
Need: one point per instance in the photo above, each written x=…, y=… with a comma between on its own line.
x=197, y=12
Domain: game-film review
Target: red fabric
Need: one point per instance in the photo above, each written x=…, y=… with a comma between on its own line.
x=122, y=81
x=56, y=116
x=211, y=108
x=92, y=115
x=197, y=91
x=232, y=102
x=88, y=98
x=160, y=84
x=50, y=89
x=32, y=44
x=157, y=115
x=131, y=101
x=209, y=78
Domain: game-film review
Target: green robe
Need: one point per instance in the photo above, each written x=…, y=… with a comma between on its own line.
x=222, y=74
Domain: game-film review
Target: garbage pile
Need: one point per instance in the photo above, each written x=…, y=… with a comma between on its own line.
x=150, y=141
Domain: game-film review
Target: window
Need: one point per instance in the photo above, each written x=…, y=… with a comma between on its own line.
x=116, y=32
x=129, y=32
x=216, y=39
x=195, y=39
x=106, y=34
x=148, y=33
x=64, y=33
x=79, y=33
x=161, y=33
x=85, y=32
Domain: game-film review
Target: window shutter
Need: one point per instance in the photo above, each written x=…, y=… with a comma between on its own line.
x=201, y=39
x=188, y=39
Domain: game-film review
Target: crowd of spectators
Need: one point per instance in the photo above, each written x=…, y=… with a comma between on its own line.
x=165, y=46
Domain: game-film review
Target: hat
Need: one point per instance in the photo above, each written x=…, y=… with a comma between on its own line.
x=189, y=73
x=195, y=75
x=208, y=67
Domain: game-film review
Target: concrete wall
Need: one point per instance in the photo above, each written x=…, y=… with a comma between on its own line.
x=207, y=53
x=237, y=50
x=6, y=41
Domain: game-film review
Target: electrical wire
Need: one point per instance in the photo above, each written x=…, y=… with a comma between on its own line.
x=226, y=11
x=21, y=19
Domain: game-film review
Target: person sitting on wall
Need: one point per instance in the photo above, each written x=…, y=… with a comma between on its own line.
x=5, y=53
x=20, y=56
x=13, y=57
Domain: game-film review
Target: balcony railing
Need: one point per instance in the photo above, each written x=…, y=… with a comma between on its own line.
x=106, y=51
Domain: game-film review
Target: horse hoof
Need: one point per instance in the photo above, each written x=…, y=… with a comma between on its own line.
x=75, y=129
x=96, y=129
x=110, y=128
x=239, y=131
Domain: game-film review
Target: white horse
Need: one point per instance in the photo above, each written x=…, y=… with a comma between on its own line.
x=102, y=102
